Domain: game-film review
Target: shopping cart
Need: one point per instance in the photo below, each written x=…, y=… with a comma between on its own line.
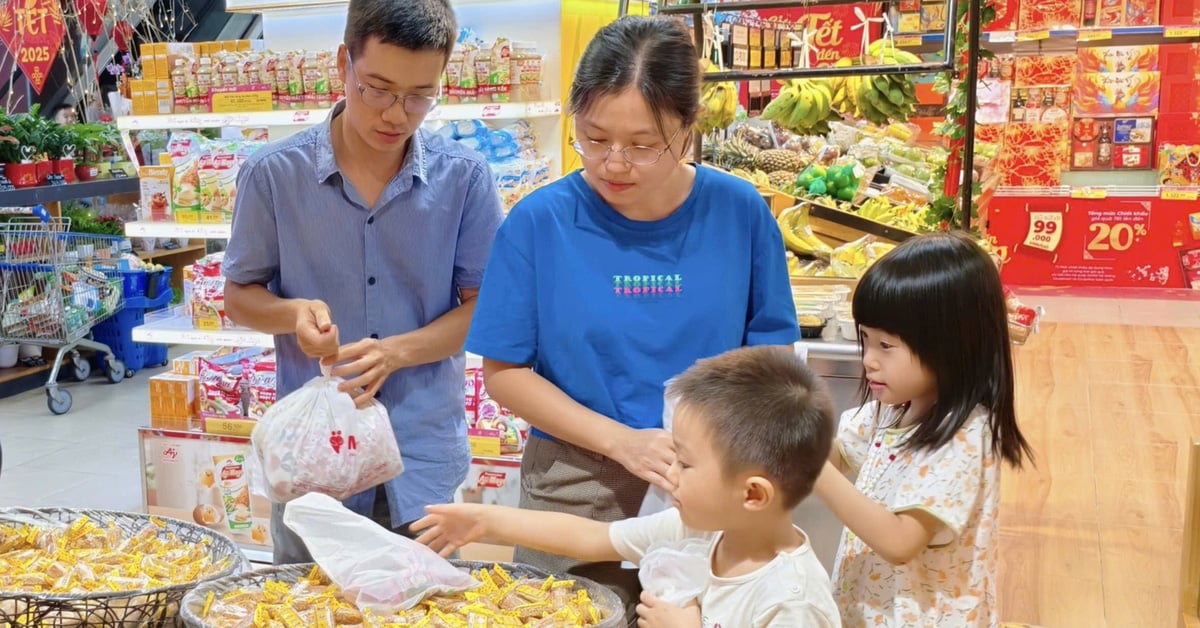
x=55, y=286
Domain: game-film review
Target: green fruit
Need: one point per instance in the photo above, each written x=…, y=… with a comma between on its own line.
x=846, y=194
x=817, y=187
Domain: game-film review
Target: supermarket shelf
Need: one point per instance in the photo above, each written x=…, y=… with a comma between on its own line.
x=58, y=193
x=1070, y=34
x=175, y=329
x=160, y=253
x=149, y=229
x=304, y=117
x=696, y=8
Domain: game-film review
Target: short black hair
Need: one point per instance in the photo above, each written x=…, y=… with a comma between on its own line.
x=411, y=24
x=765, y=411
x=941, y=295
x=655, y=55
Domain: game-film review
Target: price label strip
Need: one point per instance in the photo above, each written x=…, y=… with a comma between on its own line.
x=1045, y=231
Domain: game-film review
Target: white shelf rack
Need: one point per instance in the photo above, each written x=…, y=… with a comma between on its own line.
x=307, y=117
x=149, y=229
x=175, y=328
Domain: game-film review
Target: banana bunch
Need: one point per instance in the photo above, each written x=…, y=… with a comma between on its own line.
x=759, y=178
x=879, y=99
x=878, y=209
x=803, y=106
x=719, y=105
x=798, y=236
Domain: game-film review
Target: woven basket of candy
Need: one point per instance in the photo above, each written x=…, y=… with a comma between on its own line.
x=64, y=568
x=301, y=595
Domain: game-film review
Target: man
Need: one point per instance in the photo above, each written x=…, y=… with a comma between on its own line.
x=360, y=244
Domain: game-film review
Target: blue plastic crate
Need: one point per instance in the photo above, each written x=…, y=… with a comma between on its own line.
x=137, y=282
x=117, y=333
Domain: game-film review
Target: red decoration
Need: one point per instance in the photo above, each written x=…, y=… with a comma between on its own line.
x=122, y=35
x=91, y=15
x=33, y=31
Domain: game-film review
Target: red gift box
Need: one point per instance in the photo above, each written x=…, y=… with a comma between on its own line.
x=1050, y=14
x=1045, y=70
x=1180, y=12
x=1179, y=90
x=1033, y=155
x=1007, y=14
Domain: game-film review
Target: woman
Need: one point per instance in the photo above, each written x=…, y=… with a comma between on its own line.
x=605, y=284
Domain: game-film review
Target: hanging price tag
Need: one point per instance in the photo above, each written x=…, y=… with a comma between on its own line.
x=1045, y=230
x=908, y=41
x=1181, y=31
x=1089, y=193
x=1094, y=35
x=1033, y=36
x=1002, y=37
x=1178, y=195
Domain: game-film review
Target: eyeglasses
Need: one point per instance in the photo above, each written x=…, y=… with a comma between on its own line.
x=383, y=99
x=635, y=155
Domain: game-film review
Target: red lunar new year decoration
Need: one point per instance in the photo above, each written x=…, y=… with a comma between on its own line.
x=33, y=31
x=122, y=35
x=91, y=15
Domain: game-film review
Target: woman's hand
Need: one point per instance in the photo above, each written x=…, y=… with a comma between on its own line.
x=655, y=613
x=449, y=527
x=649, y=455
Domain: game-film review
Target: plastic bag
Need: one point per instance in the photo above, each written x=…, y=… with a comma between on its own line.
x=378, y=570
x=316, y=441
x=658, y=500
x=676, y=572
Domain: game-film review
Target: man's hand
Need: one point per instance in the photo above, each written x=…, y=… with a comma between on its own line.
x=449, y=527
x=315, y=331
x=649, y=455
x=365, y=365
x=655, y=613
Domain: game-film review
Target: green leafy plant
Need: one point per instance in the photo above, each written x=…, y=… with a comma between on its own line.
x=944, y=210
x=93, y=138
x=84, y=220
x=62, y=142
x=10, y=146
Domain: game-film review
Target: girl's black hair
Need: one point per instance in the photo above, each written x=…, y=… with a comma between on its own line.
x=655, y=55
x=941, y=295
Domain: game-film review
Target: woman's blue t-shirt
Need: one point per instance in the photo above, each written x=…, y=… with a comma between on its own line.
x=608, y=309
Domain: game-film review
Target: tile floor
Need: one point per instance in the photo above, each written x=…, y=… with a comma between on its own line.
x=89, y=457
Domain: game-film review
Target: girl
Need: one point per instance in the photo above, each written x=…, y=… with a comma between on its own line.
x=920, y=544
x=605, y=284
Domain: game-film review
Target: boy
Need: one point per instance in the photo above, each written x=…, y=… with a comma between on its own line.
x=361, y=243
x=752, y=429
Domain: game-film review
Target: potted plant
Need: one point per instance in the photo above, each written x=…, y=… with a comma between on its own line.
x=32, y=130
x=61, y=142
x=18, y=151
x=95, y=139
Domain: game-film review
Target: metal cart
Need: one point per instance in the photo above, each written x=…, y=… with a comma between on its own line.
x=54, y=286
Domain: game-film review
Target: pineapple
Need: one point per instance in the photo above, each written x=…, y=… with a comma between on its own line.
x=776, y=160
x=737, y=153
x=782, y=180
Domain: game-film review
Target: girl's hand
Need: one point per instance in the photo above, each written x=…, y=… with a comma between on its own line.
x=649, y=455
x=655, y=613
x=448, y=527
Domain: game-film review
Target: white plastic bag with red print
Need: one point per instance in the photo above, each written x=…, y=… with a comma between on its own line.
x=316, y=441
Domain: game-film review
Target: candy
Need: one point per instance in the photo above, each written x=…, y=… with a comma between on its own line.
x=500, y=600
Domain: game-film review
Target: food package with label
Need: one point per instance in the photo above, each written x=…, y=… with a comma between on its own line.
x=174, y=403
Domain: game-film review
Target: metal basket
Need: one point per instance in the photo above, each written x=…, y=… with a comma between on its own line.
x=151, y=608
x=193, y=603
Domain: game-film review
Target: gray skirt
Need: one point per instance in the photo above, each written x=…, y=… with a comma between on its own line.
x=560, y=477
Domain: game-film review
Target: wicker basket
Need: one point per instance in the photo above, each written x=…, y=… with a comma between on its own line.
x=153, y=608
x=193, y=603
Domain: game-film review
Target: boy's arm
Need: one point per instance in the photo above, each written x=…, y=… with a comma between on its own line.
x=449, y=527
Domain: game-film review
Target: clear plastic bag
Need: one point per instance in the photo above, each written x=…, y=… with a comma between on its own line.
x=676, y=572
x=376, y=569
x=316, y=441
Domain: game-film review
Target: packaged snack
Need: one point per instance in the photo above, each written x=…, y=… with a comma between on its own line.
x=337, y=87
x=316, y=82
x=493, y=71
x=526, y=71
x=452, y=78
x=261, y=390
x=234, y=480
x=220, y=390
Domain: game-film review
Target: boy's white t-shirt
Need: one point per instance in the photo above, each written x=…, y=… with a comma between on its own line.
x=792, y=591
x=952, y=582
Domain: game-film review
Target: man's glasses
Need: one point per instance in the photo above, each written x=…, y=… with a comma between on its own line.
x=383, y=99
x=635, y=155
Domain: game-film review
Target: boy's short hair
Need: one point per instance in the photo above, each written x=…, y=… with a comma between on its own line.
x=411, y=24
x=766, y=412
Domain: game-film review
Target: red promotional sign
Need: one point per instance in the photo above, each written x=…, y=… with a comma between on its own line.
x=33, y=31
x=1118, y=242
x=91, y=15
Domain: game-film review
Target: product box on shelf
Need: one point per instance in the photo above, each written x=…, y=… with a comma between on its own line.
x=1178, y=160
x=189, y=363
x=173, y=402
x=204, y=479
x=1116, y=94
x=1180, y=12
x=1050, y=14
x=1007, y=12
x=496, y=482
x=1180, y=81
x=155, y=184
x=493, y=431
x=1112, y=143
